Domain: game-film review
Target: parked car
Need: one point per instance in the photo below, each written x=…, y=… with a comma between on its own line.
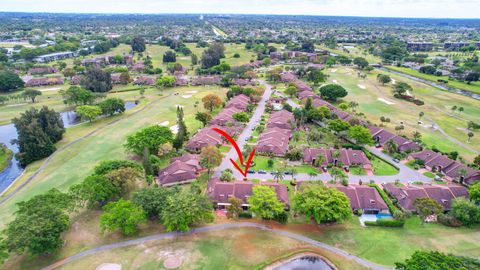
x=396, y=160
x=262, y=172
x=250, y=171
x=287, y=173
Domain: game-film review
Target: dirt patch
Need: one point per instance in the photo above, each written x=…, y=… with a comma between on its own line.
x=164, y=123
x=186, y=96
x=172, y=262
x=50, y=89
x=386, y=101
x=109, y=266
x=361, y=86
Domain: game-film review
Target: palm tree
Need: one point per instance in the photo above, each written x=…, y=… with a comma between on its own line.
x=461, y=175
x=294, y=172
x=353, y=105
x=420, y=115
x=319, y=160
x=278, y=175
x=312, y=175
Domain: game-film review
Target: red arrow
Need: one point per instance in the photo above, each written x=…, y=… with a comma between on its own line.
x=239, y=153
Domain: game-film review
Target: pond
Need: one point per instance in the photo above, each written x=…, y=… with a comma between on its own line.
x=9, y=133
x=304, y=262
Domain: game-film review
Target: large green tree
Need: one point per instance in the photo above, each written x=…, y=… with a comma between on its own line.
x=474, y=191
x=322, y=204
x=38, y=131
x=466, y=211
x=138, y=44
x=77, y=96
x=264, y=202
x=31, y=94
x=88, y=112
x=123, y=215
x=360, y=134
x=111, y=106
x=427, y=207
x=97, y=80
x=95, y=191
x=9, y=81
x=421, y=260
x=148, y=138
x=38, y=223
x=333, y=91
x=183, y=209
x=153, y=200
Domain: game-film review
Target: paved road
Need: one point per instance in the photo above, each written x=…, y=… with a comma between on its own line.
x=246, y=133
x=170, y=235
x=63, y=148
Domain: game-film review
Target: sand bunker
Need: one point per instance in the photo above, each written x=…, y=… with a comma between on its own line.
x=15, y=105
x=408, y=93
x=191, y=92
x=178, y=106
x=393, y=81
x=334, y=81
x=386, y=101
x=187, y=96
x=333, y=70
x=174, y=129
x=109, y=266
x=172, y=263
x=164, y=123
x=361, y=86
x=50, y=89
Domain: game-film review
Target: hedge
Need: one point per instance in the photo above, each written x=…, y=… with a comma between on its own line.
x=391, y=207
x=397, y=223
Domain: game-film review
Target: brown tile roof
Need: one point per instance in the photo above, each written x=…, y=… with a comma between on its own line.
x=363, y=197
x=239, y=101
x=144, y=80
x=381, y=136
x=206, y=80
x=348, y=157
x=177, y=172
x=208, y=137
x=42, y=81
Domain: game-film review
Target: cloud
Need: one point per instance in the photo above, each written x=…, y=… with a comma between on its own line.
x=376, y=8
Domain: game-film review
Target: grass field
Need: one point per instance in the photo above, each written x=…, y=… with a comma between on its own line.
x=473, y=87
x=376, y=100
x=381, y=167
x=73, y=164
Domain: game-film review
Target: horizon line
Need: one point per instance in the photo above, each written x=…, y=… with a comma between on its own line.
x=234, y=14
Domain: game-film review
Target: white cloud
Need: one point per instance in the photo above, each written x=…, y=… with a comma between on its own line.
x=376, y=8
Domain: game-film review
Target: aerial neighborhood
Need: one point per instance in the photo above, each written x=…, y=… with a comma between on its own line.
x=190, y=141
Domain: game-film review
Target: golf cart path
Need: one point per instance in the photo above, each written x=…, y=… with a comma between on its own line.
x=216, y=227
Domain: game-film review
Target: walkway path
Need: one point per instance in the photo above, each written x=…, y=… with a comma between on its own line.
x=246, y=133
x=452, y=139
x=170, y=235
x=63, y=148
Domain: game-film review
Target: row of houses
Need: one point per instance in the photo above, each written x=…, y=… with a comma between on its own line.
x=405, y=196
x=127, y=59
x=224, y=120
x=429, y=46
x=310, y=57
x=31, y=81
x=452, y=169
x=277, y=134
x=41, y=70
x=343, y=157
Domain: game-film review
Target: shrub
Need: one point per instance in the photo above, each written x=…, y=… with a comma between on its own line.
x=245, y=214
x=391, y=207
x=386, y=223
x=282, y=217
x=449, y=221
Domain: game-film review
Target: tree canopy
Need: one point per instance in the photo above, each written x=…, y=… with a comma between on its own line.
x=333, y=91
x=148, y=138
x=10, y=81
x=97, y=80
x=264, y=202
x=123, y=215
x=436, y=260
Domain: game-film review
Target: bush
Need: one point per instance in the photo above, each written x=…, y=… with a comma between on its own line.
x=449, y=221
x=282, y=217
x=391, y=207
x=245, y=214
x=393, y=223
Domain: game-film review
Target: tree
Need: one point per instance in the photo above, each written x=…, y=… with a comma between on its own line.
x=360, y=62
x=211, y=56
x=466, y=211
x=194, y=59
x=470, y=135
x=203, y=117
x=169, y=57
x=353, y=105
x=182, y=133
x=95, y=191
x=472, y=77
x=333, y=91
x=323, y=204
x=227, y=176
x=316, y=76
x=343, y=106
x=427, y=207
x=31, y=94
x=153, y=200
x=97, y=80
x=241, y=117
x=291, y=91
x=210, y=157
x=273, y=75
x=278, y=175
x=318, y=113
x=150, y=137
x=184, y=208
x=383, y=79
x=125, y=77
x=10, y=81
x=107, y=166
x=235, y=207
x=436, y=260
x=420, y=115
x=88, y=112
x=77, y=96
x=476, y=160
x=211, y=101
x=110, y=106
x=123, y=215
x=38, y=131
x=138, y=44
x=338, y=125
x=166, y=81
x=401, y=88
x=39, y=223
x=360, y=134
x=125, y=178
x=264, y=202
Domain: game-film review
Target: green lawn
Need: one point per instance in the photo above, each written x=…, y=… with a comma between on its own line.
x=373, y=97
x=261, y=163
x=388, y=245
x=355, y=170
x=76, y=162
x=381, y=167
x=429, y=174
x=473, y=87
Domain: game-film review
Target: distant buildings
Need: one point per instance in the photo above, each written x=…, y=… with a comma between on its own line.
x=419, y=46
x=54, y=57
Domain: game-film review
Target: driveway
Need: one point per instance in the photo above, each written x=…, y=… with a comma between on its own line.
x=246, y=133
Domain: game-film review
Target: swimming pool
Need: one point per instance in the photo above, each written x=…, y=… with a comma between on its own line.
x=384, y=216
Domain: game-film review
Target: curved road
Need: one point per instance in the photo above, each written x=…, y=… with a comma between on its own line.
x=170, y=235
x=45, y=163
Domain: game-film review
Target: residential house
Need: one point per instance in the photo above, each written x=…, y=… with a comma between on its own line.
x=345, y=157
x=43, y=81
x=41, y=70
x=144, y=80
x=219, y=192
x=54, y=57
x=452, y=169
x=182, y=170
x=274, y=140
x=443, y=194
x=382, y=136
x=208, y=137
x=364, y=198
x=281, y=119
x=239, y=101
x=206, y=80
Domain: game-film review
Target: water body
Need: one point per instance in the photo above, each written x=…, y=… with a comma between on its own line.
x=434, y=84
x=305, y=263
x=9, y=133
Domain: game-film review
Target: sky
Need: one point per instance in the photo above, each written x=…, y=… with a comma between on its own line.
x=367, y=8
